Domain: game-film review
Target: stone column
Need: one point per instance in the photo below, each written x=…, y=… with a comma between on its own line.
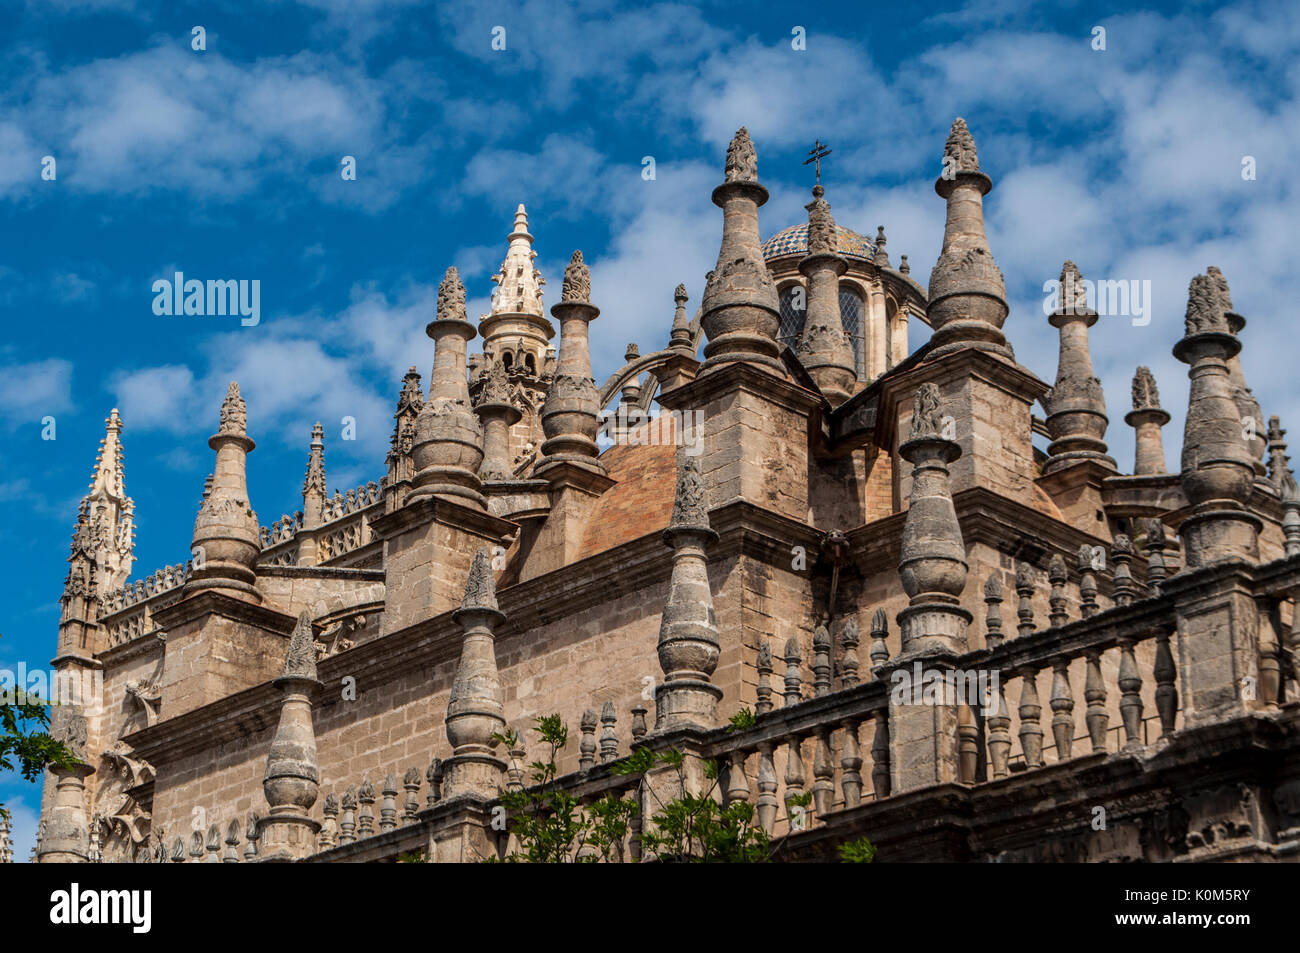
x=932, y=563
x=923, y=732
x=688, y=632
x=741, y=315
x=822, y=349
x=1076, y=406
x=967, y=300
x=498, y=415
x=448, y=443
x=1218, y=465
x=226, y=542
x=1242, y=395
x=292, y=778
x=66, y=837
x=1146, y=418
x=475, y=711
x=569, y=413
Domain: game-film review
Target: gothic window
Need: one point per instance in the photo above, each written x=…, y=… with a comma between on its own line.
x=794, y=310
x=530, y=362
x=507, y=359
x=851, y=312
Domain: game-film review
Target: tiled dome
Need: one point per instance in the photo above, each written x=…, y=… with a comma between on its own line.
x=794, y=241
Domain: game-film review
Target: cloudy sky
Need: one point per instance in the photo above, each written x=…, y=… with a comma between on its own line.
x=224, y=163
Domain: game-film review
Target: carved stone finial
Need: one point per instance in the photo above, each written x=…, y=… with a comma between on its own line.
x=821, y=225
x=300, y=661
x=577, y=280
x=1145, y=393
x=480, y=588
x=742, y=160
x=234, y=413
x=496, y=385
x=1073, y=292
x=1205, y=308
x=960, y=148
x=690, y=505
x=451, y=297
x=927, y=413
x=1221, y=284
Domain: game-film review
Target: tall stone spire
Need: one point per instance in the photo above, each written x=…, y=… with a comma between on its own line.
x=313, y=486
x=6, y=845
x=1076, y=406
x=688, y=631
x=741, y=315
x=475, y=711
x=519, y=283
x=292, y=778
x=226, y=542
x=107, y=520
x=448, y=442
x=967, y=301
x=1242, y=395
x=823, y=349
x=932, y=563
x=1146, y=418
x=1217, y=464
x=569, y=414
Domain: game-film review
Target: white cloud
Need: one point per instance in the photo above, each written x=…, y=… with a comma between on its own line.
x=33, y=390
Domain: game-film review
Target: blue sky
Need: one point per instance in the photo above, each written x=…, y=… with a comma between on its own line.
x=225, y=163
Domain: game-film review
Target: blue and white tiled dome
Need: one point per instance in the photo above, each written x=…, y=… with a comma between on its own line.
x=794, y=241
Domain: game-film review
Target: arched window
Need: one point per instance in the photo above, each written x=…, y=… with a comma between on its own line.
x=851, y=315
x=507, y=359
x=530, y=362
x=794, y=311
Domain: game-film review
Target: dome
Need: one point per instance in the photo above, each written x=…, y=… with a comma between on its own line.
x=794, y=241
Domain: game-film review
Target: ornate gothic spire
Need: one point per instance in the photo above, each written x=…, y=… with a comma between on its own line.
x=448, y=441
x=519, y=283
x=498, y=414
x=475, y=712
x=313, y=487
x=688, y=631
x=740, y=305
x=1146, y=418
x=932, y=562
x=226, y=540
x=400, y=468
x=967, y=305
x=292, y=779
x=1217, y=464
x=823, y=348
x=1076, y=406
x=569, y=413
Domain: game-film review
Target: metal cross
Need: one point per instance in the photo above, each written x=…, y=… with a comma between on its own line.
x=818, y=152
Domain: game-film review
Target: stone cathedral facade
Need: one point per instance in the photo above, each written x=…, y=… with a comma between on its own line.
x=852, y=517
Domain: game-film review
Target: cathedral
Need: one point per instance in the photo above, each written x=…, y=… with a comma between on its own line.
x=538, y=543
